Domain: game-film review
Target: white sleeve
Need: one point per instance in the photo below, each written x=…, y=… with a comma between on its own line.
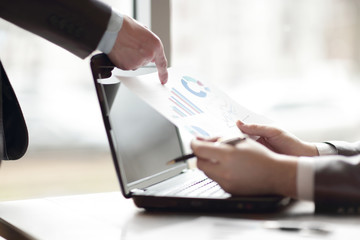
x=325, y=149
x=305, y=178
x=108, y=39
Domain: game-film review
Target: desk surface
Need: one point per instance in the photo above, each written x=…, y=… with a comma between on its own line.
x=111, y=216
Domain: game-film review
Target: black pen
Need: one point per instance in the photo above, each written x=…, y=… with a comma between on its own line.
x=290, y=226
x=231, y=141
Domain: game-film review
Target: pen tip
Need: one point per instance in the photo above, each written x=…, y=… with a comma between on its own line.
x=170, y=162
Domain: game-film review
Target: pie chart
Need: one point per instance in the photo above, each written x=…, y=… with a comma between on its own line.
x=194, y=86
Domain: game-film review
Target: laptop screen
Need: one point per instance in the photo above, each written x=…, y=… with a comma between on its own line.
x=143, y=140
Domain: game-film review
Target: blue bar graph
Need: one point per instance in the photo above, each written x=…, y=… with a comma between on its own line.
x=183, y=107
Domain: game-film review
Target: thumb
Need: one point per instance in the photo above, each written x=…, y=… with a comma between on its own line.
x=257, y=130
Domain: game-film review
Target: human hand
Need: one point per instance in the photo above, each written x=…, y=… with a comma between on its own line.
x=278, y=140
x=248, y=168
x=137, y=46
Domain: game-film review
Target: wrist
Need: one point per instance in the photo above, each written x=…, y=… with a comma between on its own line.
x=284, y=175
x=311, y=149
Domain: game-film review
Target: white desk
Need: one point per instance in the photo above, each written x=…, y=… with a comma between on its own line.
x=110, y=216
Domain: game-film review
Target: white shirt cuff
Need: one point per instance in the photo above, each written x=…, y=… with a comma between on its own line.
x=305, y=172
x=108, y=39
x=325, y=149
x=305, y=178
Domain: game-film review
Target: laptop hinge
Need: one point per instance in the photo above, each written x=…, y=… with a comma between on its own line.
x=137, y=190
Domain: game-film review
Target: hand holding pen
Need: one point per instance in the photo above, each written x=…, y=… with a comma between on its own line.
x=231, y=141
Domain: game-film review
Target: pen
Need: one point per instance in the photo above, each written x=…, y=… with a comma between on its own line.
x=9, y=231
x=297, y=227
x=231, y=141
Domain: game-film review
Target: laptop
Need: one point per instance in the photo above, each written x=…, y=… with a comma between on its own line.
x=142, y=141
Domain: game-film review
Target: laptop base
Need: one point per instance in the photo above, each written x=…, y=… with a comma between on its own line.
x=233, y=204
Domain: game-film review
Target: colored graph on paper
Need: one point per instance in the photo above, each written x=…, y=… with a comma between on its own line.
x=190, y=84
x=196, y=106
x=182, y=106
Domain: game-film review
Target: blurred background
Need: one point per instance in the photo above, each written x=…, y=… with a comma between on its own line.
x=297, y=62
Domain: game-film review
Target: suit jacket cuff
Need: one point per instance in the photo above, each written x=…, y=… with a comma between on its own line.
x=305, y=172
x=337, y=182
x=345, y=148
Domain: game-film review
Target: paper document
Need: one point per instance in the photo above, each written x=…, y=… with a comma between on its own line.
x=192, y=104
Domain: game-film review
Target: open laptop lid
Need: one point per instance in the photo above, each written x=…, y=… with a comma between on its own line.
x=142, y=141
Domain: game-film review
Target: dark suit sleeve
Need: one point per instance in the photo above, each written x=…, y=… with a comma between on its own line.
x=346, y=148
x=337, y=180
x=76, y=25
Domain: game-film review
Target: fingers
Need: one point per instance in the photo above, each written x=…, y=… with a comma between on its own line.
x=211, y=169
x=209, y=150
x=212, y=139
x=136, y=46
x=161, y=65
x=258, y=130
x=239, y=123
x=157, y=53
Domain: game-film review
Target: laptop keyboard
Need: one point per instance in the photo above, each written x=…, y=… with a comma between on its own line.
x=201, y=188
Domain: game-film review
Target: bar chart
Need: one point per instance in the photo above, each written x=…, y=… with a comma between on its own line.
x=182, y=106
